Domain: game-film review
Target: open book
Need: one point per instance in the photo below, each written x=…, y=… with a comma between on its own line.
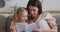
x=27, y=28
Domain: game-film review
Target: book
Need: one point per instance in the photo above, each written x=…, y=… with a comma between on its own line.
x=26, y=28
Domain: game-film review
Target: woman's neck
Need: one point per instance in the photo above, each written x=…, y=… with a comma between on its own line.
x=35, y=18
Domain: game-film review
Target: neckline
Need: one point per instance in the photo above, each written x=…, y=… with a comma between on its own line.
x=37, y=18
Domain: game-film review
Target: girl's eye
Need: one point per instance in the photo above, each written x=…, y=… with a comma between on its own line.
x=24, y=16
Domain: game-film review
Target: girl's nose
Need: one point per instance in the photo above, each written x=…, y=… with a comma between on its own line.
x=31, y=12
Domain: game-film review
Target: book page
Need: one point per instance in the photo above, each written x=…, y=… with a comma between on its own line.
x=31, y=27
x=20, y=27
x=27, y=28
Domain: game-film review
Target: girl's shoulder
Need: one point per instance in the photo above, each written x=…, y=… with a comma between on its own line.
x=12, y=22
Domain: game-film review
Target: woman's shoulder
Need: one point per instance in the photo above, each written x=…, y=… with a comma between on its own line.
x=12, y=22
x=12, y=25
x=47, y=15
x=44, y=14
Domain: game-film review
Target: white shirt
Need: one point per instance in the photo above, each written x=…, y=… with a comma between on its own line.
x=41, y=21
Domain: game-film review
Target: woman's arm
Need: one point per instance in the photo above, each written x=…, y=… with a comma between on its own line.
x=12, y=27
x=51, y=21
x=53, y=25
x=41, y=30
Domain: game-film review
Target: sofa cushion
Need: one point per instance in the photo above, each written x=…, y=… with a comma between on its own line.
x=8, y=21
x=57, y=21
x=2, y=23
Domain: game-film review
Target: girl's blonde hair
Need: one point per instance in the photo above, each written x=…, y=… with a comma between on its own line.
x=18, y=12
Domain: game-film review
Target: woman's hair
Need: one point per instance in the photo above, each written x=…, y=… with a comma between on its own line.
x=35, y=3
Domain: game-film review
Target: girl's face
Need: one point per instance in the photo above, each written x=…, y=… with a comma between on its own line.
x=33, y=11
x=23, y=16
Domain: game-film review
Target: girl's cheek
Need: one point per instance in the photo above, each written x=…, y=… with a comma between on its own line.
x=18, y=17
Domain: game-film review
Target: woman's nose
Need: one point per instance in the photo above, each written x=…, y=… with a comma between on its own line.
x=25, y=18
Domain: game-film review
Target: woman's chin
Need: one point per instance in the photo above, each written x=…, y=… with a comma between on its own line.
x=33, y=16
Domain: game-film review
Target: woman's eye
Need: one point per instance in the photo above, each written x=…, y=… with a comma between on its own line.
x=33, y=10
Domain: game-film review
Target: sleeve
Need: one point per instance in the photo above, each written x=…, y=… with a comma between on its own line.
x=51, y=21
x=50, y=17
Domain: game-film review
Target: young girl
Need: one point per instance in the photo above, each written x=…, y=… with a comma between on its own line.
x=20, y=17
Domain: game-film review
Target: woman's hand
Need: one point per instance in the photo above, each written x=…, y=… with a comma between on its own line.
x=22, y=31
x=36, y=30
x=12, y=27
x=41, y=30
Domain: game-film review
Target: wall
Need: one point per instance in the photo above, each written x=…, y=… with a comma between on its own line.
x=47, y=5
x=51, y=5
x=11, y=3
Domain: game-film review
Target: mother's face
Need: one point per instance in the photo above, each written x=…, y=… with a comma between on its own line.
x=33, y=11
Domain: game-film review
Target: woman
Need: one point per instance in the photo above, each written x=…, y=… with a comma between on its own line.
x=34, y=8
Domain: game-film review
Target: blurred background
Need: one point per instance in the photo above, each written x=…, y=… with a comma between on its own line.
x=10, y=6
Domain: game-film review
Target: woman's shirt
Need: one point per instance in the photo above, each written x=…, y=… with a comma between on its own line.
x=43, y=19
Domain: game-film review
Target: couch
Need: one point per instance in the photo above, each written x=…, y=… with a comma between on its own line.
x=5, y=22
